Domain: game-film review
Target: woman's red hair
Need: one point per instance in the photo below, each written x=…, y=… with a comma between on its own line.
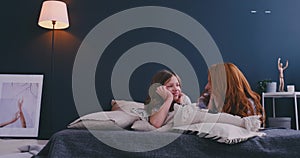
x=230, y=86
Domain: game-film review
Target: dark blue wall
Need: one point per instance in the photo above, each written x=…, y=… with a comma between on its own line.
x=252, y=41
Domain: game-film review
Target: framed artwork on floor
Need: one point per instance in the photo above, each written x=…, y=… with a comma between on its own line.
x=20, y=104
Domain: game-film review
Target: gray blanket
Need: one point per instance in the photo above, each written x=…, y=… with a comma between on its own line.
x=71, y=143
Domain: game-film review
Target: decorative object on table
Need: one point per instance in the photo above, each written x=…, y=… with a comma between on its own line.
x=290, y=88
x=20, y=102
x=271, y=87
x=262, y=85
x=281, y=68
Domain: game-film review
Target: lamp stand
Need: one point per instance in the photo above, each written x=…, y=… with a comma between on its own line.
x=52, y=64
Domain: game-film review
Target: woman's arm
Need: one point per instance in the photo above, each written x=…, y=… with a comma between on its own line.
x=203, y=100
x=158, y=118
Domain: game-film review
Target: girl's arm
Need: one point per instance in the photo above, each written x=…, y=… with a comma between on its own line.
x=158, y=118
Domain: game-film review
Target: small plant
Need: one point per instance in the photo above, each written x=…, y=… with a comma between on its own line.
x=261, y=85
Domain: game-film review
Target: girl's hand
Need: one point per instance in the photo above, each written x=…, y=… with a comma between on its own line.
x=180, y=99
x=164, y=92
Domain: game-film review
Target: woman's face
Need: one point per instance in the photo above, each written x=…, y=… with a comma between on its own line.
x=174, y=87
x=208, y=85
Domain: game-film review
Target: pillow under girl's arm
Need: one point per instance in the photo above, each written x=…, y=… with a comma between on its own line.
x=190, y=115
x=250, y=122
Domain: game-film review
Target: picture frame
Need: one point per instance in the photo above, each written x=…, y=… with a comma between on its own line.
x=20, y=104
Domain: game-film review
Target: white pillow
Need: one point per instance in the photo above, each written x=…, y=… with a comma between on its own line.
x=190, y=114
x=104, y=120
x=222, y=132
x=126, y=105
x=93, y=124
x=142, y=125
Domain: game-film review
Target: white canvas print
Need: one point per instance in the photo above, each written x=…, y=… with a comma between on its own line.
x=20, y=102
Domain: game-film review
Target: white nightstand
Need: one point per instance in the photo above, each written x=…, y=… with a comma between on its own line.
x=274, y=95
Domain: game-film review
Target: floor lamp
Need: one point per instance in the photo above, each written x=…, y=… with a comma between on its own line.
x=54, y=15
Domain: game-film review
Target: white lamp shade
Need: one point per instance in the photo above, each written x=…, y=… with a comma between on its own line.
x=54, y=11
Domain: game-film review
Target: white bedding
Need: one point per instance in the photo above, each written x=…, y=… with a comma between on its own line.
x=223, y=127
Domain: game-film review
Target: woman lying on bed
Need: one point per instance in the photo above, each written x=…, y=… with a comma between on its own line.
x=228, y=91
x=165, y=90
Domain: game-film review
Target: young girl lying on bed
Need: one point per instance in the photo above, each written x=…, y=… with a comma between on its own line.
x=165, y=90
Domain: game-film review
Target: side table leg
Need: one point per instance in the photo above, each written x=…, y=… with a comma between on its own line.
x=264, y=111
x=296, y=112
x=274, y=107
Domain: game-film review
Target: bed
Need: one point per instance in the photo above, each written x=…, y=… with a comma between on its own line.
x=81, y=143
x=124, y=133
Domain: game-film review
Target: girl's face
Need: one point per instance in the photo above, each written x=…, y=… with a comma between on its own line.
x=174, y=87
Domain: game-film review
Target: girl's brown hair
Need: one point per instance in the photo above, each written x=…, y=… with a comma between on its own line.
x=160, y=78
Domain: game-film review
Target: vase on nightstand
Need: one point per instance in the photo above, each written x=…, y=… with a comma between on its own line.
x=271, y=87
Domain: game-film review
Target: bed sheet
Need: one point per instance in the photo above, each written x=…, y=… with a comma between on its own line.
x=81, y=143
